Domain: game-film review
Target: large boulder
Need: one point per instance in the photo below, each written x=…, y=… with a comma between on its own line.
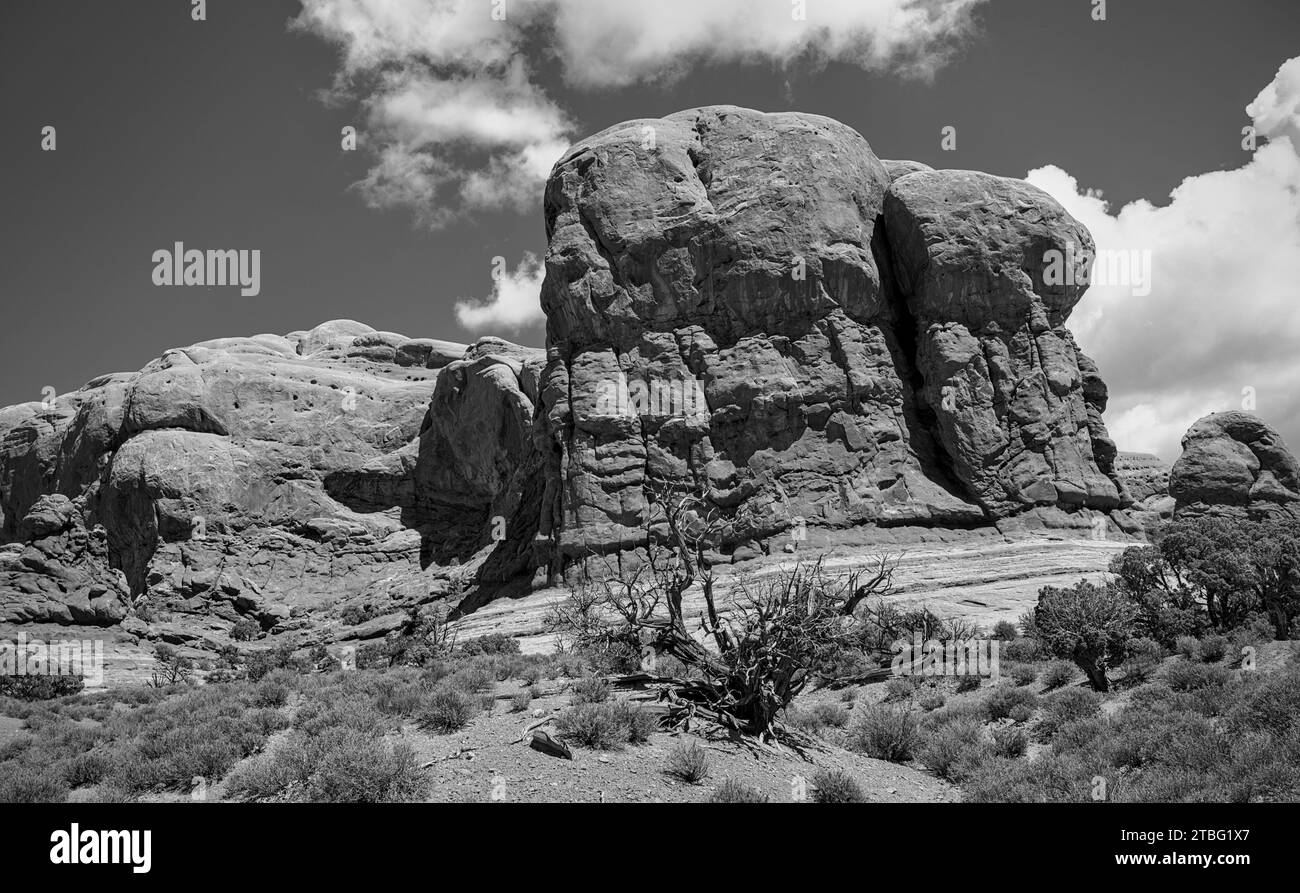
x=1235, y=461
x=235, y=477
x=1002, y=375
x=752, y=304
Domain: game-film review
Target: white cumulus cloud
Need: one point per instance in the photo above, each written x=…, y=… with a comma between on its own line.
x=1220, y=326
x=458, y=122
x=515, y=301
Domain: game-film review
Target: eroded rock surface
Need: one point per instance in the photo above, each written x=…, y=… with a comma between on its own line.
x=1234, y=460
x=872, y=344
x=263, y=477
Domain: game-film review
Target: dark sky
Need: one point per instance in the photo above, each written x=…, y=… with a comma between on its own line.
x=213, y=134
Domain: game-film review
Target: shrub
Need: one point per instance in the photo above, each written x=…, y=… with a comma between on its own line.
x=1021, y=713
x=448, y=710
x=640, y=723
x=352, y=767
x=1214, y=648
x=23, y=783
x=1057, y=674
x=1022, y=650
x=87, y=769
x=1067, y=706
x=886, y=733
x=1188, y=646
x=732, y=791
x=1010, y=741
x=901, y=688
x=817, y=718
x=493, y=643
x=1005, y=631
x=931, y=700
x=1271, y=704
x=1024, y=674
x=598, y=726
x=341, y=765
x=521, y=701
x=476, y=678
x=952, y=749
x=688, y=761
x=1142, y=657
x=245, y=630
x=999, y=703
x=968, y=683
x=590, y=690
x=836, y=786
x=1183, y=676
x=40, y=687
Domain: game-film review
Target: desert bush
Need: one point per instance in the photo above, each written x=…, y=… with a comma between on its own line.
x=24, y=783
x=491, y=644
x=688, y=761
x=817, y=718
x=590, y=690
x=245, y=630
x=40, y=687
x=1184, y=676
x=968, y=683
x=1270, y=704
x=1057, y=674
x=836, y=786
x=1023, y=674
x=1010, y=741
x=886, y=733
x=1142, y=656
x=448, y=710
x=952, y=749
x=521, y=701
x=1214, y=648
x=999, y=702
x=87, y=768
x=931, y=700
x=1021, y=650
x=1005, y=631
x=901, y=688
x=340, y=765
x=1065, y=706
x=598, y=726
x=1188, y=646
x=732, y=791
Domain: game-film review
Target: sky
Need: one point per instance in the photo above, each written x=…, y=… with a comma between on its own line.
x=226, y=133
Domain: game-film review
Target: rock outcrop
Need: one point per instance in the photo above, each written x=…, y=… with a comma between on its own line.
x=1234, y=461
x=261, y=477
x=819, y=337
x=753, y=306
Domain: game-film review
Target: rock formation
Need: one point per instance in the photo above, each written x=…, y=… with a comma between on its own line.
x=874, y=344
x=751, y=305
x=260, y=477
x=1234, y=461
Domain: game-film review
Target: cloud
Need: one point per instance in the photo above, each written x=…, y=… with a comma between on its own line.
x=515, y=301
x=458, y=123
x=1219, y=328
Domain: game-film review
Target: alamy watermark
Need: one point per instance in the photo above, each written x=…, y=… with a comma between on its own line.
x=182, y=266
x=679, y=397
x=64, y=657
x=1108, y=267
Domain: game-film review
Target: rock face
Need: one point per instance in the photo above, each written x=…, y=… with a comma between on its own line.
x=750, y=305
x=260, y=477
x=819, y=336
x=1234, y=460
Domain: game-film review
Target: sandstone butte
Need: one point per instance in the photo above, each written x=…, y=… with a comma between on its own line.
x=884, y=364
